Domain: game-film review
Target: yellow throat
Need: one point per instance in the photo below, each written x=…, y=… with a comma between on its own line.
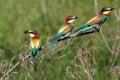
x=106, y=12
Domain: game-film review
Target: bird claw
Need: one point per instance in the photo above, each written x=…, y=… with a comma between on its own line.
x=97, y=29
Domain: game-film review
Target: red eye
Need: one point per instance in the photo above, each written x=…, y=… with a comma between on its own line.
x=68, y=18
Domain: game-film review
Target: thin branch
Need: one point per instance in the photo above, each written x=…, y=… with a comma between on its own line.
x=15, y=66
x=29, y=55
x=115, y=53
x=80, y=34
x=85, y=70
x=105, y=41
x=96, y=6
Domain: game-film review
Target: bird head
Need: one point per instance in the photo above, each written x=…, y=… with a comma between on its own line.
x=70, y=19
x=31, y=33
x=106, y=10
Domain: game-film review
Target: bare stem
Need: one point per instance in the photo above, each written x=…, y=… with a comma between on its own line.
x=115, y=49
x=96, y=6
x=105, y=41
x=80, y=34
x=15, y=66
x=27, y=56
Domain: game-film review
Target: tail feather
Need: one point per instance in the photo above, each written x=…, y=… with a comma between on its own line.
x=33, y=56
x=84, y=28
x=54, y=40
x=76, y=32
x=34, y=52
x=81, y=29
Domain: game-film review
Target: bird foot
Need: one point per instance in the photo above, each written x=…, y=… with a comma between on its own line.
x=98, y=30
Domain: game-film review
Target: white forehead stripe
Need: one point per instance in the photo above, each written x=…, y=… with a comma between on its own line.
x=30, y=31
x=108, y=8
x=73, y=17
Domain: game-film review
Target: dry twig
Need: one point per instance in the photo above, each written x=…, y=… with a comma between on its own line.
x=28, y=56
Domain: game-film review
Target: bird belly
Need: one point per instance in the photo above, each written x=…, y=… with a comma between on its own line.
x=35, y=43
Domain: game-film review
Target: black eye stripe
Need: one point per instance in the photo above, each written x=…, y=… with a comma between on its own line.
x=69, y=19
x=31, y=32
x=107, y=10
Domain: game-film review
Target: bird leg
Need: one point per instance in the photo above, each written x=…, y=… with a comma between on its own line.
x=98, y=30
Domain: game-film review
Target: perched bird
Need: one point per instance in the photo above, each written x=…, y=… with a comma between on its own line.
x=65, y=29
x=34, y=42
x=96, y=21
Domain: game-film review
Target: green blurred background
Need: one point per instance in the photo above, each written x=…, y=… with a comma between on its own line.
x=46, y=16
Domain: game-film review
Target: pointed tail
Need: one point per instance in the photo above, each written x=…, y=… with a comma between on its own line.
x=54, y=40
x=34, y=53
x=83, y=28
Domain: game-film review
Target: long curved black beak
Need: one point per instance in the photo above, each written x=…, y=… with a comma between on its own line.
x=108, y=9
x=76, y=17
x=111, y=8
x=26, y=31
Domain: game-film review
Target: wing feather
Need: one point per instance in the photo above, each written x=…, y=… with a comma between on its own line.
x=94, y=20
x=63, y=28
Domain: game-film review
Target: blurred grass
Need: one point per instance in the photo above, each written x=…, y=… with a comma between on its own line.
x=46, y=16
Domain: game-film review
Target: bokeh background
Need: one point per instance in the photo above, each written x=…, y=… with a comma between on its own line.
x=89, y=57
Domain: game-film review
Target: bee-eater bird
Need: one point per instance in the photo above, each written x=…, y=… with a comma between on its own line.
x=34, y=42
x=65, y=29
x=96, y=21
